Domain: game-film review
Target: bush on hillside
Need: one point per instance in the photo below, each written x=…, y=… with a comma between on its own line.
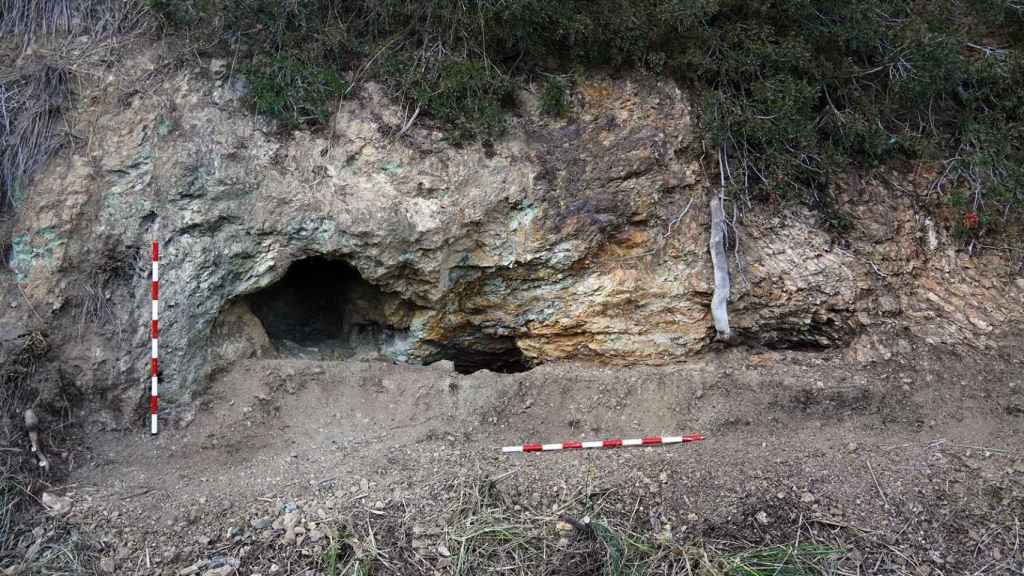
x=792, y=91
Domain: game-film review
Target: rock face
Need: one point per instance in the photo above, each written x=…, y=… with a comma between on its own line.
x=584, y=238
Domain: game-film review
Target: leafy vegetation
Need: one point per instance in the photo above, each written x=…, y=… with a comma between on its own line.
x=792, y=93
x=554, y=99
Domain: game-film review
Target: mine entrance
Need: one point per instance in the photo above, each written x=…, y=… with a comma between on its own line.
x=324, y=308
x=485, y=353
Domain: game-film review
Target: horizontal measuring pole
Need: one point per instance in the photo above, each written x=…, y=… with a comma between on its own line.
x=615, y=443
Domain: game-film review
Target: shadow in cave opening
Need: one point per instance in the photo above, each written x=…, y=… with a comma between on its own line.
x=500, y=355
x=324, y=309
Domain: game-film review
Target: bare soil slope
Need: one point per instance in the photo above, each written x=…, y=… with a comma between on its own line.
x=910, y=466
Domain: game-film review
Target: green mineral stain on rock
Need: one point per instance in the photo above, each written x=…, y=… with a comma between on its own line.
x=164, y=126
x=36, y=249
x=391, y=168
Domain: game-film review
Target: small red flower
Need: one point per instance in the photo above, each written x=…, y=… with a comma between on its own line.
x=971, y=220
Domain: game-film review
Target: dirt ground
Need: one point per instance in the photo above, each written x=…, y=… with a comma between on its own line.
x=909, y=466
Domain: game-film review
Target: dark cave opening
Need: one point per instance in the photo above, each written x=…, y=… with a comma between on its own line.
x=500, y=355
x=324, y=308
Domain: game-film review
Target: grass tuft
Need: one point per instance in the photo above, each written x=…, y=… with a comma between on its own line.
x=795, y=560
x=554, y=98
x=32, y=106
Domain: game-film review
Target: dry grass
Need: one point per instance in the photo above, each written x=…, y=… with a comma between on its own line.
x=483, y=532
x=30, y=541
x=17, y=365
x=32, y=105
x=47, y=44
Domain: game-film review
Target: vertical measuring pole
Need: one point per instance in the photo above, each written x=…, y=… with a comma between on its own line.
x=154, y=395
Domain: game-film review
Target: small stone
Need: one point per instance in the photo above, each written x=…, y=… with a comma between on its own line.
x=193, y=569
x=316, y=536
x=291, y=520
x=443, y=551
x=807, y=498
x=274, y=568
x=663, y=477
x=563, y=526
x=222, y=571
x=378, y=505
x=762, y=517
x=56, y=505
x=107, y=565
x=364, y=485
x=289, y=536
x=262, y=523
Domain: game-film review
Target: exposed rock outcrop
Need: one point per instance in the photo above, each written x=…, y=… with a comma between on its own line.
x=563, y=240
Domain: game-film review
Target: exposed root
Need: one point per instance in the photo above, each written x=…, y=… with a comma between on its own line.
x=720, y=262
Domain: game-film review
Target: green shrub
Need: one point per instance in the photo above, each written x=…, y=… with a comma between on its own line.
x=298, y=94
x=794, y=92
x=554, y=98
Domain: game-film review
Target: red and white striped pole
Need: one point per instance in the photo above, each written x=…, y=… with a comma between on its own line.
x=615, y=443
x=154, y=395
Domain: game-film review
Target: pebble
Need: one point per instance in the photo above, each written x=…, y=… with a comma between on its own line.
x=807, y=498
x=762, y=517
x=291, y=520
x=316, y=536
x=56, y=504
x=262, y=523
x=193, y=569
x=222, y=571
x=107, y=565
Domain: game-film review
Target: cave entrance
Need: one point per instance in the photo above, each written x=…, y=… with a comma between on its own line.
x=496, y=354
x=324, y=309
